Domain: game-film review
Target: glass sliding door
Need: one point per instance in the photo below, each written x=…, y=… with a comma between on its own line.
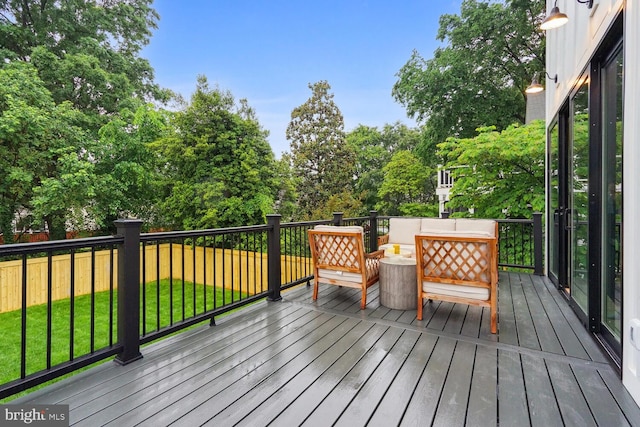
x=578, y=197
x=584, y=194
x=611, y=280
x=555, y=209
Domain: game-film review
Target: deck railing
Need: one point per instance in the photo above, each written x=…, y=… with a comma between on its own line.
x=85, y=300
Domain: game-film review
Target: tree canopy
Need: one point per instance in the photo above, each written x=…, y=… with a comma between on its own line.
x=498, y=174
x=374, y=149
x=86, y=51
x=478, y=77
x=84, y=138
x=323, y=164
x=407, y=187
x=82, y=59
x=35, y=135
x=218, y=165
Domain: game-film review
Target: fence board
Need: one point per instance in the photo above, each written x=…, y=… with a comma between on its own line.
x=241, y=270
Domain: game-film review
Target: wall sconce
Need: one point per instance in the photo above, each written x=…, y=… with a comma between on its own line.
x=557, y=19
x=536, y=87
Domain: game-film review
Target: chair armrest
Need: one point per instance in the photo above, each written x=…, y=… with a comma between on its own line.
x=375, y=255
x=384, y=239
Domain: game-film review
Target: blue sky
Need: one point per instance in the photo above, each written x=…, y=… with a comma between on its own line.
x=268, y=51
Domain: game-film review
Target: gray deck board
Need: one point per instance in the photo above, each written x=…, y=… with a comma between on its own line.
x=571, y=334
x=423, y=405
x=543, y=409
x=507, y=320
x=303, y=395
x=332, y=406
x=389, y=412
x=573, y=407
x=452, y=407
x=544, y=329
x=483, y=407
x=300, y=362
x=512, y=396
x=600, y=400
x=527, y=336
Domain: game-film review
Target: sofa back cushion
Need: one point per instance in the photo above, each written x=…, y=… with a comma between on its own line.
x=437, y=225
x=403, y=230
x=476, y=226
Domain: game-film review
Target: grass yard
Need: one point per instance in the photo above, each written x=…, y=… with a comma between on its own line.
x=176, y=303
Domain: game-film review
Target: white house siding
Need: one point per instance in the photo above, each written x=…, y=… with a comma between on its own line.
x=631, y=174
x=569, y=51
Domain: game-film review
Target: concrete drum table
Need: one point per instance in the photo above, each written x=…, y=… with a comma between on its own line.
x=398, y=283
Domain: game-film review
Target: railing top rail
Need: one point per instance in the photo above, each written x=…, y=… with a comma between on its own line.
x=305, y=223
x=516, y=220
x=58, y=245
x=145, y=237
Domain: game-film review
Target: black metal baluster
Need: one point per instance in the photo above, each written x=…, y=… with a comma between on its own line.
x=182, y=264
x=23, y=332
x=170, y=282
x=72, y=311
x=144, y=288
x=49, y=306
x=157, y=285
x=111, y=270
x=193, y=251
x=93, y=300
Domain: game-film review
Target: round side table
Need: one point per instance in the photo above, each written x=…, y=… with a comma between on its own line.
x=398, y=283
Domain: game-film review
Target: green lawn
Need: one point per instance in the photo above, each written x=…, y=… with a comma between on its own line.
x=36, y=346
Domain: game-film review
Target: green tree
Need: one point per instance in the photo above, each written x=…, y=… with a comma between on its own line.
x=86, y=51
x=111, y=178
x=479, y=76
x=374, y=149
x=36, y=135
x=322, y=162
x=285, y=203
x=498, y=174
x=218, y=164
x=407, y=188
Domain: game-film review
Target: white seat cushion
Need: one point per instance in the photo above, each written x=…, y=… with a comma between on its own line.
x=372, y=265
x=339, y=275
x=462, y=291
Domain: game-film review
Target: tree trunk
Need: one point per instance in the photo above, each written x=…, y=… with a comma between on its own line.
x=56, y=223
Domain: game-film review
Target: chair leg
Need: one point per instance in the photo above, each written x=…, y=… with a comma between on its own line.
x=363, y=300
x=420, y=302
x=315, y=290
x=494, y=321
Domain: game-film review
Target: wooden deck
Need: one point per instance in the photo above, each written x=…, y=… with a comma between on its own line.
x=297, y=362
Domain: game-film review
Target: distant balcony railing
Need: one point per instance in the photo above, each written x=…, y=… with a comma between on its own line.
x=71, y=303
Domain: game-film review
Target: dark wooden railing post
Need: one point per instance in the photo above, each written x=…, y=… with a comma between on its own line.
x=273, y=257
x=337, y=218
x=129, y=290
x=537, y=244
x=373, y=231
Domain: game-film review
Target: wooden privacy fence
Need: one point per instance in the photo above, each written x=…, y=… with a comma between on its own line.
x=243, y=271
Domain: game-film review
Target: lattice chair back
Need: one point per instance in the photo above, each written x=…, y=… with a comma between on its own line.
x=462, y=260
x=458, y=269
x=339, y=258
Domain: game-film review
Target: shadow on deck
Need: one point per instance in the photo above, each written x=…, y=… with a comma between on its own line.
x=329, y=363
